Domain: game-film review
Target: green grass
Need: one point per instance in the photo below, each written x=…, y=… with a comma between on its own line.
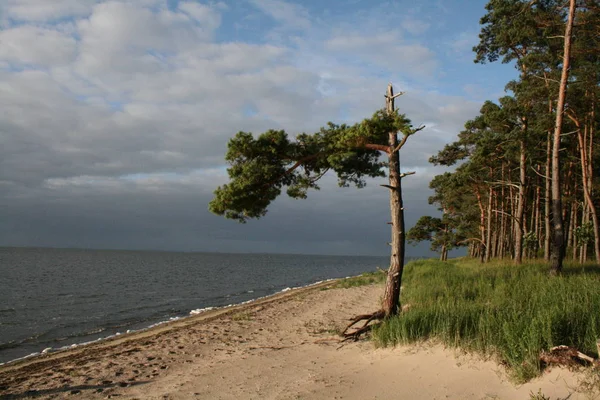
x=498, y=309
x=368, y=278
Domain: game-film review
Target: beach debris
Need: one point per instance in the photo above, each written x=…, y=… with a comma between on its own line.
x=566, y=356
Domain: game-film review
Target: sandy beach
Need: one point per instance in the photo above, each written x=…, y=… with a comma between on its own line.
x=280, y=347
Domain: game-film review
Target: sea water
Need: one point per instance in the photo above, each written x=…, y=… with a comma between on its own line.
x=52, y=298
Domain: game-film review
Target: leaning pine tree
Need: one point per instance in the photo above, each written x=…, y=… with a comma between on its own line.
x=262, y=167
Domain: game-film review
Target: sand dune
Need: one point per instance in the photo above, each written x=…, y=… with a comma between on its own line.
x=281, y=347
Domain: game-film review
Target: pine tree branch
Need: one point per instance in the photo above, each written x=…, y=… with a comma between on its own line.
x=508, y=215
x=543, y=176
x=380, y=147
x=402, y=142
x=405, y=138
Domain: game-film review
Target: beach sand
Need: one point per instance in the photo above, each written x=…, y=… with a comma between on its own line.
x=280, y=347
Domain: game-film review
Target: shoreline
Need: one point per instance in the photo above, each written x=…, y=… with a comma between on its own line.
x=283, y=346
x=194, y=316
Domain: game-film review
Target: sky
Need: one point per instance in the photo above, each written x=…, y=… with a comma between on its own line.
x=115, y=115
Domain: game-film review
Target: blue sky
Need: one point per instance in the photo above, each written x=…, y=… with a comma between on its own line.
x=116, y=114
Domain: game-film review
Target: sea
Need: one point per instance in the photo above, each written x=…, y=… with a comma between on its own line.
x=57, y=298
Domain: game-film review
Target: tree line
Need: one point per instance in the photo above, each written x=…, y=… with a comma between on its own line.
x=524, y=183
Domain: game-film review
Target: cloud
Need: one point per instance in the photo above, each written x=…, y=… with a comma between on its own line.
x=289, y=15
x=26, y=45
x=43, y=10
x=116, y=117
x=386, y=50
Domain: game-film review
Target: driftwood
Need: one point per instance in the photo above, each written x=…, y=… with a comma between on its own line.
x=565, y=355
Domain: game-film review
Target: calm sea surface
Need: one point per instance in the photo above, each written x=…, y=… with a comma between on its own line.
x=58, y=297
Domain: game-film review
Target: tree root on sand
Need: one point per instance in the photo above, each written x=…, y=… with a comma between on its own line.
x=356, y=333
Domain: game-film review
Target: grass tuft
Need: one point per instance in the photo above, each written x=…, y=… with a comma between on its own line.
x=498, y=309
x=368, y=278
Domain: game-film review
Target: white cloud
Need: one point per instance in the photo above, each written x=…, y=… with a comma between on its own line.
x=122, y=37
x=44, y=10
x=288, y=14
x=35, y=45
x=203, y=14
x=387, y=50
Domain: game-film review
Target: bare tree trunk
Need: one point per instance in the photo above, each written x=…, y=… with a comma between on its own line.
x=481, y=225
x=569, y=190
x=548, y=199
x=585, y=218
x=586, y=180
x=488, y=237
x=391, y=297
x=574, y=244
x=538, y=213
x=558, y=245
x=495, y=234
x=510, y=239
x=502, y=217
x=590, y=177
x=519, y=225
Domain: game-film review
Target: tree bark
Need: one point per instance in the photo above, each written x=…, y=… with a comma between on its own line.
x=501, y=251
x=548, y=199
x=391, y=297
x=488, y=237
x=519, y=225
x=574, y=243
x=586, y=180
x=481, y=225
x=558, y=245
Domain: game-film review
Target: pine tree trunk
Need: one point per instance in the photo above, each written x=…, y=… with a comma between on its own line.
x=495, y=234
x=481, y=225
x=488, y=236
x=573, y=241
x=558, y=244
x=590, y=176
x=585, y=218
x=586, y=180
x=510, y=239
x=548, y=202
x=538, y=213
x=391, y=297
x=502, y=217
x=519, y=225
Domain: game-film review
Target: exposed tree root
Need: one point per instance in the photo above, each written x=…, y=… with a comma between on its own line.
x=356, y=333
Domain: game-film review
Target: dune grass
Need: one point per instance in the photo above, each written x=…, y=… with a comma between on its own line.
x=367, y=278
x=498, y=309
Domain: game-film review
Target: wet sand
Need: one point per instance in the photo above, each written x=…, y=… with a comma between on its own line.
x=280, y=347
